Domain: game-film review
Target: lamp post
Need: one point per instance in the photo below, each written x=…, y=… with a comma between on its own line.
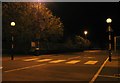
x=12, y=47
x=109, y=20
x=37, y=49
x=85, y=32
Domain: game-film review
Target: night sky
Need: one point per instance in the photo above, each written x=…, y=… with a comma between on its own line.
x=80, y=16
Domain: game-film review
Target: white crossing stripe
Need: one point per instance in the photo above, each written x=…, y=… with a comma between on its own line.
x=108, y=76
x=73, y=62
x=91, y=62
x=57, y=61
x=44, y=60
x=30, y=59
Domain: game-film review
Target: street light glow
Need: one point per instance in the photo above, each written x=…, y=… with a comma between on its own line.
x=109, y=20
x=12, y=23
x=85, y=32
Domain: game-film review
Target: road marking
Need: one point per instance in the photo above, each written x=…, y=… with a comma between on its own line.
x=73, y=62
x=89, y=57
x=108, y=76
x=93, y=51
x=91, y=62
x=57, y=61
x=44, y=60
x=24, y=68
x=30, y=59
x=98, y=72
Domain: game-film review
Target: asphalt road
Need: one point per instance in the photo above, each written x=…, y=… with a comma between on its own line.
x=90, y=66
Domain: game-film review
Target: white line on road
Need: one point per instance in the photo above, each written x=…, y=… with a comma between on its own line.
x=44, y=60
x=73, y=62
x=93, y=51
x=91, y=62
x=30, y=59
x=57, y=61
x=98, y=72
x=108, y=76
x=24, y=68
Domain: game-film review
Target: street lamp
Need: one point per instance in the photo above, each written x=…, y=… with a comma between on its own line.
x=12, y=48
x=12, y=23
x=85, y=32
x=37, y=47
x=109, y=20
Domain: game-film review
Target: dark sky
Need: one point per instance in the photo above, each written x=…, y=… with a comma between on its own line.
x=80, y=16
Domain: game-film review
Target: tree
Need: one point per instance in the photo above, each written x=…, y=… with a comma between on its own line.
x=81, y=42
x=33, y=20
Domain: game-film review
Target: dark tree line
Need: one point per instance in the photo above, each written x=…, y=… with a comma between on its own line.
x=35, y=23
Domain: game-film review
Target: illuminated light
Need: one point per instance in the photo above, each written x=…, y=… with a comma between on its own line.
x=85, y=32
x=91, y=62
x=109, y=20
x=12, y=23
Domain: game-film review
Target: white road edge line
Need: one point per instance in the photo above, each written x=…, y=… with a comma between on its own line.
x=108, y=76
x=98, y=72
x=24, y=68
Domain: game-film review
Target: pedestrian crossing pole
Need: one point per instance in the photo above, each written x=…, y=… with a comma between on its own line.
x=12, y=47
x=115, y=43
x=109, y=20
x=110, y=53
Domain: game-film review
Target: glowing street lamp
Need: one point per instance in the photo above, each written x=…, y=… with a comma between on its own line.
x=12, y=23
x=12, y=48
x=109, y=20
x=85, y=32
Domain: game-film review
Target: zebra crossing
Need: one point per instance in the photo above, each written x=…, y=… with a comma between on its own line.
x=32, y=59
x=73, y=62
x=57, y=61
x=44, y=60
x=53, y=61
x=91, y=62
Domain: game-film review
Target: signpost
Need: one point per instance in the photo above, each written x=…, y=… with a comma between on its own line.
x=12, y=47
x=109, y=20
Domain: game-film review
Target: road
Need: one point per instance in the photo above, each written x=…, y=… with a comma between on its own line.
x=90, y=66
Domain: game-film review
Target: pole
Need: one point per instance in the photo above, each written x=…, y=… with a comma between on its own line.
x=115, y=43
x=85, y=36
x=38, y=35
x=12, y=34
x=12, y=49
x=110, y=53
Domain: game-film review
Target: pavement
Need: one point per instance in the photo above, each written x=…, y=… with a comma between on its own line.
x=89, y=66
x=111, y=70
